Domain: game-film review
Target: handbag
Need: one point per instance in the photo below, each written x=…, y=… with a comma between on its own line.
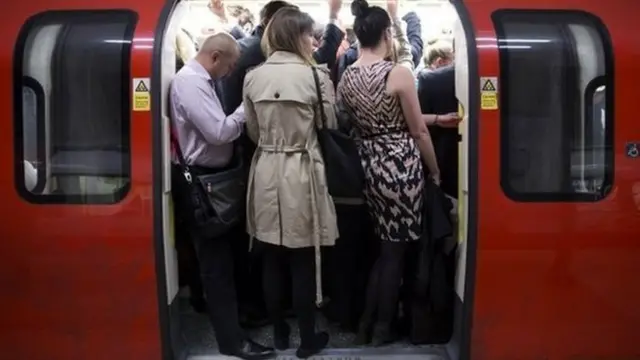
x=218, y=199
x=343, y=167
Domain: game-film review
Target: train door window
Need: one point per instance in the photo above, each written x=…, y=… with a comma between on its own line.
x=72, y=106
x=556, y=74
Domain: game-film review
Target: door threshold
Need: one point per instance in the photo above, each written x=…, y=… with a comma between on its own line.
x=413, y=353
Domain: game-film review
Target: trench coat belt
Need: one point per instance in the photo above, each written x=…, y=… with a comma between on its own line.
x=292, y=149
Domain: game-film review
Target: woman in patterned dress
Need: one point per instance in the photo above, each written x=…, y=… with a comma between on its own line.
x=382, y=101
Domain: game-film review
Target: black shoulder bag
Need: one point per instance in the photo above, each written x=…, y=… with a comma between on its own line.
x=218, y=199
x=343, y=167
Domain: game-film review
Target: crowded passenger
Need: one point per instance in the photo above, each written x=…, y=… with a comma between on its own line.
x=412, y=34
x=347, y=266
x=439, y=53
x=302, y=247
x=231, y=95
x=204, y=138
x=234, y=20
x=186, y=47
x=290, y=212
x=244, y=19
x=383, y=105
x=436, y=91
x=252, y=55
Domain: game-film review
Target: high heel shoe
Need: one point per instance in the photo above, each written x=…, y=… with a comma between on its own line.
x=281, y=333
x=313, y=346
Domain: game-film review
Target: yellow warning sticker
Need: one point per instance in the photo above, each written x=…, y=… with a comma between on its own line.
x=489, y=93
x=141, y=94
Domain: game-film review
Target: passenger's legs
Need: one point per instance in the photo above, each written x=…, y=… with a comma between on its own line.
x=274, y=261
x=390, y=279
x=248, y=277
x=382, y=293
x=216, y=268
x=188, y=266
x=371, y=302
x=407, y=296
x=344, y=265
x=302, y=262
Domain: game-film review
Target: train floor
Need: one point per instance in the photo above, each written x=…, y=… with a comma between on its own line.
x=201, y=344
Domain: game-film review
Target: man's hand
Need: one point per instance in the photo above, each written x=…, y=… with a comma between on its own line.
x=217, y=8
x=392, y=8
x=450, y=120
x=334, y=8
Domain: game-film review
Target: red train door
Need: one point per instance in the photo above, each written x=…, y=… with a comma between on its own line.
x=79, y=268
x=553, y=224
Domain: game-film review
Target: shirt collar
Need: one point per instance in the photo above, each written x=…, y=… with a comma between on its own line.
x=194, y=65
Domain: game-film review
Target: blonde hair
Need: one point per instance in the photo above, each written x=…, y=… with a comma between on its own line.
x=437, y=49
x=285, y=31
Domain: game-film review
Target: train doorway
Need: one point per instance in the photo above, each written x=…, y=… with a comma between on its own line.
x=191, y=332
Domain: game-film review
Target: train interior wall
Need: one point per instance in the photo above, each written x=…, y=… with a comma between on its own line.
x=192, y=335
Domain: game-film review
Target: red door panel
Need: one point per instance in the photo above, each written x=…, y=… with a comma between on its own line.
x=78, y=270
x=557, y=244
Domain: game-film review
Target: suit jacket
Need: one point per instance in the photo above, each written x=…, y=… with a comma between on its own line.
x=251, y=56
x=437, y=95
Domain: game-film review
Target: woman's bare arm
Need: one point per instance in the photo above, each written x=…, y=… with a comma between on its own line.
x=401, y=83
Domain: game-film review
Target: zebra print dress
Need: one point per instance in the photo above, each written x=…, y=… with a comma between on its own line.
x=390, y=156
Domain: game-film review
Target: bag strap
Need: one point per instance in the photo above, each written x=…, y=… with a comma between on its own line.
x=175, y=147
x=316, y=78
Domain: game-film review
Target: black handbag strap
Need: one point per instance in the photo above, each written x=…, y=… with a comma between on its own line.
x=175, y=146
x=323, y=116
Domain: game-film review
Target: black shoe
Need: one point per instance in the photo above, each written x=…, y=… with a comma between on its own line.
x=364, y=335
x=199, y=304
x=250, y=350
x=317, y=344
x=383, y=335
x=281, y=333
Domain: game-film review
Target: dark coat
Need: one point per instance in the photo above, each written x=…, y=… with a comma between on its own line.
x=433, y=291
x=437, y=95
x=431, y=279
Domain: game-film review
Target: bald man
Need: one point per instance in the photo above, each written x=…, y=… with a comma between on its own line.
x=205, y=136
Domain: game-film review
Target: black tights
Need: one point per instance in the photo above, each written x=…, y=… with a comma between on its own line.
x=280, y=262
x=383, y=289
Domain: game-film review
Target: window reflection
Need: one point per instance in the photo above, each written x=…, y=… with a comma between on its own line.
x=74, y=121
x=29, y=124
x=554, y=124
x=589, y=171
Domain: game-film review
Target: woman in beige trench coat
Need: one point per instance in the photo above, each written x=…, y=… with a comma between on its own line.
x=289, y=210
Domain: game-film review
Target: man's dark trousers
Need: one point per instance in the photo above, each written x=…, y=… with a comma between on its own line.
x=216, y=266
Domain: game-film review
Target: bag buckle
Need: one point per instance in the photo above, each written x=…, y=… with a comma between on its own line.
x=187, y=176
